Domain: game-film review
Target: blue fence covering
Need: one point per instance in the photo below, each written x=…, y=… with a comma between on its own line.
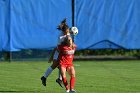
x=4, y=25
x=1, y=23
x=107, y=24
x=31, y=24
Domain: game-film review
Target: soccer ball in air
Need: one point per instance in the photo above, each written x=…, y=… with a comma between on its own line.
x=74, y=30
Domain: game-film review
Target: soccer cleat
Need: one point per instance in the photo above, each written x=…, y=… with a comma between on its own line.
x=67, y=91
x=43, y=79
x=59, y=82
x=72, y=91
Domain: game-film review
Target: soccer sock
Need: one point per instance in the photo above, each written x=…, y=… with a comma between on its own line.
x=59, y=74
x=72, y=82
x=65, y=83
x=48, y=72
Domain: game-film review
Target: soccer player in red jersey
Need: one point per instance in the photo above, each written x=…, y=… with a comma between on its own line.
x=64, y=28
x=66, y=55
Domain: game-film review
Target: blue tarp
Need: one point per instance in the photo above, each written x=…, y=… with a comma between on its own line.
x=1, y=23
x=107, y=24
x=4, y=25
x=31, y=24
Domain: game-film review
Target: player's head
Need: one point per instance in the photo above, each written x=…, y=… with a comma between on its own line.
x=63, y=27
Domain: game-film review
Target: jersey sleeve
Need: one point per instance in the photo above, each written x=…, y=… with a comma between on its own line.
x=60, y=38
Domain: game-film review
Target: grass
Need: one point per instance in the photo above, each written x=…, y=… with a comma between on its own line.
x=91, y=77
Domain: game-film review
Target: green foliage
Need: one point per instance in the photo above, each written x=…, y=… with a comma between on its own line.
x=23, y=54
x=114, y=52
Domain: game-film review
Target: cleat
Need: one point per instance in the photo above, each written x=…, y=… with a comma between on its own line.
x=43, y=79
x=72, y=91
x=59, y=82
x=67, y=91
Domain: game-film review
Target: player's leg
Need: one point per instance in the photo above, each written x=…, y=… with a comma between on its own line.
x=63, y=73
x=49, y=71
x=59, y=79
x=59, y=74
x=71, y=72
x=54, y=56
x=51, y=68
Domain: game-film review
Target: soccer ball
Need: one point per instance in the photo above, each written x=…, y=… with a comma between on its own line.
x=74, y=30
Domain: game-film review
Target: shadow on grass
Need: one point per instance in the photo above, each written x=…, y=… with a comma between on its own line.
x=4, y=91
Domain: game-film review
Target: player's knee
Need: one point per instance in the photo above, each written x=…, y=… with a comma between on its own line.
x=54, y=65
x=55, y=61
x=72, y=75
x=63, y=75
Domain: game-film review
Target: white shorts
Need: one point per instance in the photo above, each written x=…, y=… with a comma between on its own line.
x=56, y=55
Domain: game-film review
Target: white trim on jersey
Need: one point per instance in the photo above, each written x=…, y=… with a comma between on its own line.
x=70, y=52
x=60, y=40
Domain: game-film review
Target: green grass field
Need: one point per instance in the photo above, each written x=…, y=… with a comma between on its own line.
x=91, y=77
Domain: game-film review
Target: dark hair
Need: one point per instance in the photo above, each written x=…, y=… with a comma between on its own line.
x=63, y=26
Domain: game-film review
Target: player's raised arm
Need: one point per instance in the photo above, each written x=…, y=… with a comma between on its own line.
x=52, y=55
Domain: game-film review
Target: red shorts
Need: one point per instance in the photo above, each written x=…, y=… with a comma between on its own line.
x=66, y=65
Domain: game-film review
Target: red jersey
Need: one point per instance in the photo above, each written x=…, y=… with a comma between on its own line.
x=66, y=54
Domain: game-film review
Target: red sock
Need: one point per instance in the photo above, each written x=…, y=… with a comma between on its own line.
x=72, y=82
x=65, y=83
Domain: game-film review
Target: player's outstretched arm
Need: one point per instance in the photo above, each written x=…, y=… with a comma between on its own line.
x=51, y=56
